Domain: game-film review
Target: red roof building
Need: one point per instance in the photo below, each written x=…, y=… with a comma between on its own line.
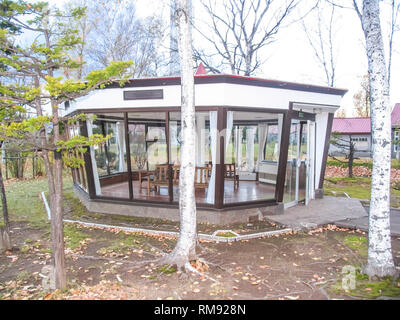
x=352, y=125
x=396, y=115
x=359, y=129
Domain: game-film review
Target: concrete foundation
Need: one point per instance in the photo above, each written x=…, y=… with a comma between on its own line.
x=230, y=216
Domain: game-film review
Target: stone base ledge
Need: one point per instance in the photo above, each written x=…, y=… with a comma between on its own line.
x=159, y=212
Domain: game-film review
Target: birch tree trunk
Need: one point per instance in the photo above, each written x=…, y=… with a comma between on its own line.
x=380, y=259
x=185, y=249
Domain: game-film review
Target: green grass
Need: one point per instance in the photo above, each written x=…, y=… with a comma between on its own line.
x=356, y=187
x=357, y=243
x=385, y=287
x=166, y=269
x=23, y=276
x=365, y=162
x=367, y=289
x=226, y=234
x=24, y=202
x=74, y=236
x=123, y=244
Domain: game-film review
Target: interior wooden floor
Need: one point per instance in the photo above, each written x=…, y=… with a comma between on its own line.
x=247, y=191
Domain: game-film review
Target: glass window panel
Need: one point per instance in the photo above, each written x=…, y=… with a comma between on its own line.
x=251, y=156
x=204, y=180
x=149, y=156
x=110, y=157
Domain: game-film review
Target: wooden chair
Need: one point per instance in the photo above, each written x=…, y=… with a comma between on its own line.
x=230, y=173
x=160, y=177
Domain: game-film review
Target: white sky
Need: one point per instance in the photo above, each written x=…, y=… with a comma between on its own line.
x=291, y=58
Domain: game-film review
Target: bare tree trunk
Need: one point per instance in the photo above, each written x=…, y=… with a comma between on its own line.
x=57, y=226
x=185, y=248
x=380, y=259
x=5, y=243
x=351, y=158
x=54, y=177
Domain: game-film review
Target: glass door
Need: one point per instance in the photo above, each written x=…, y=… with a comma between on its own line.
x=298, y=165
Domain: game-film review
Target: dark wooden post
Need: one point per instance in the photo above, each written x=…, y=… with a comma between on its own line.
x=283, y=156
x=88, y=164
x=219, y=177
x=168, y=138
x=128, y=156
x=103, y=131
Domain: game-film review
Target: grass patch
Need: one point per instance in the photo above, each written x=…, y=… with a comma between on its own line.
x=356, y=187
x=363, y=162
x=29, y=245
x=356, y=163
x=357, y=243
x=364, y=288
x=73, y=205
x=123, y=244
x=166, y=269
x=24, y=203
x=74, y=236
x=386, y=287
x=226, y=234
x=23, y=276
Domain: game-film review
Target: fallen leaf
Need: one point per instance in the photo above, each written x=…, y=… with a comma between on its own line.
x=292, y=298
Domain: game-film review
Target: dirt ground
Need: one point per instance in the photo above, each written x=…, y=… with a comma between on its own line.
x=107, y=264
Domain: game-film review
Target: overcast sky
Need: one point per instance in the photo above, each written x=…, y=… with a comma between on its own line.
x=291, y=58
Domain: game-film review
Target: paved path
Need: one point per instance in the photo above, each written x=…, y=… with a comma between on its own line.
x=344, y=212
x=320, y=212
x=362, y=223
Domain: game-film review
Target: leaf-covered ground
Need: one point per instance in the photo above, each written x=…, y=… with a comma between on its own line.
x=110, y=264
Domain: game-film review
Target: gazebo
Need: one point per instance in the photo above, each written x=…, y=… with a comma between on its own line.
x=261, y=146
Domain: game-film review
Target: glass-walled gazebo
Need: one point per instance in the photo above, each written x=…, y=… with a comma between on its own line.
x=255, y=146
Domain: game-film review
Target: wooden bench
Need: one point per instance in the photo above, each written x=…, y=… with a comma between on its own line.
x=201, y=176
x=160, y=177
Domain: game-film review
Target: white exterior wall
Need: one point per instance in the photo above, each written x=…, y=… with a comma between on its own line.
x=213, y=94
